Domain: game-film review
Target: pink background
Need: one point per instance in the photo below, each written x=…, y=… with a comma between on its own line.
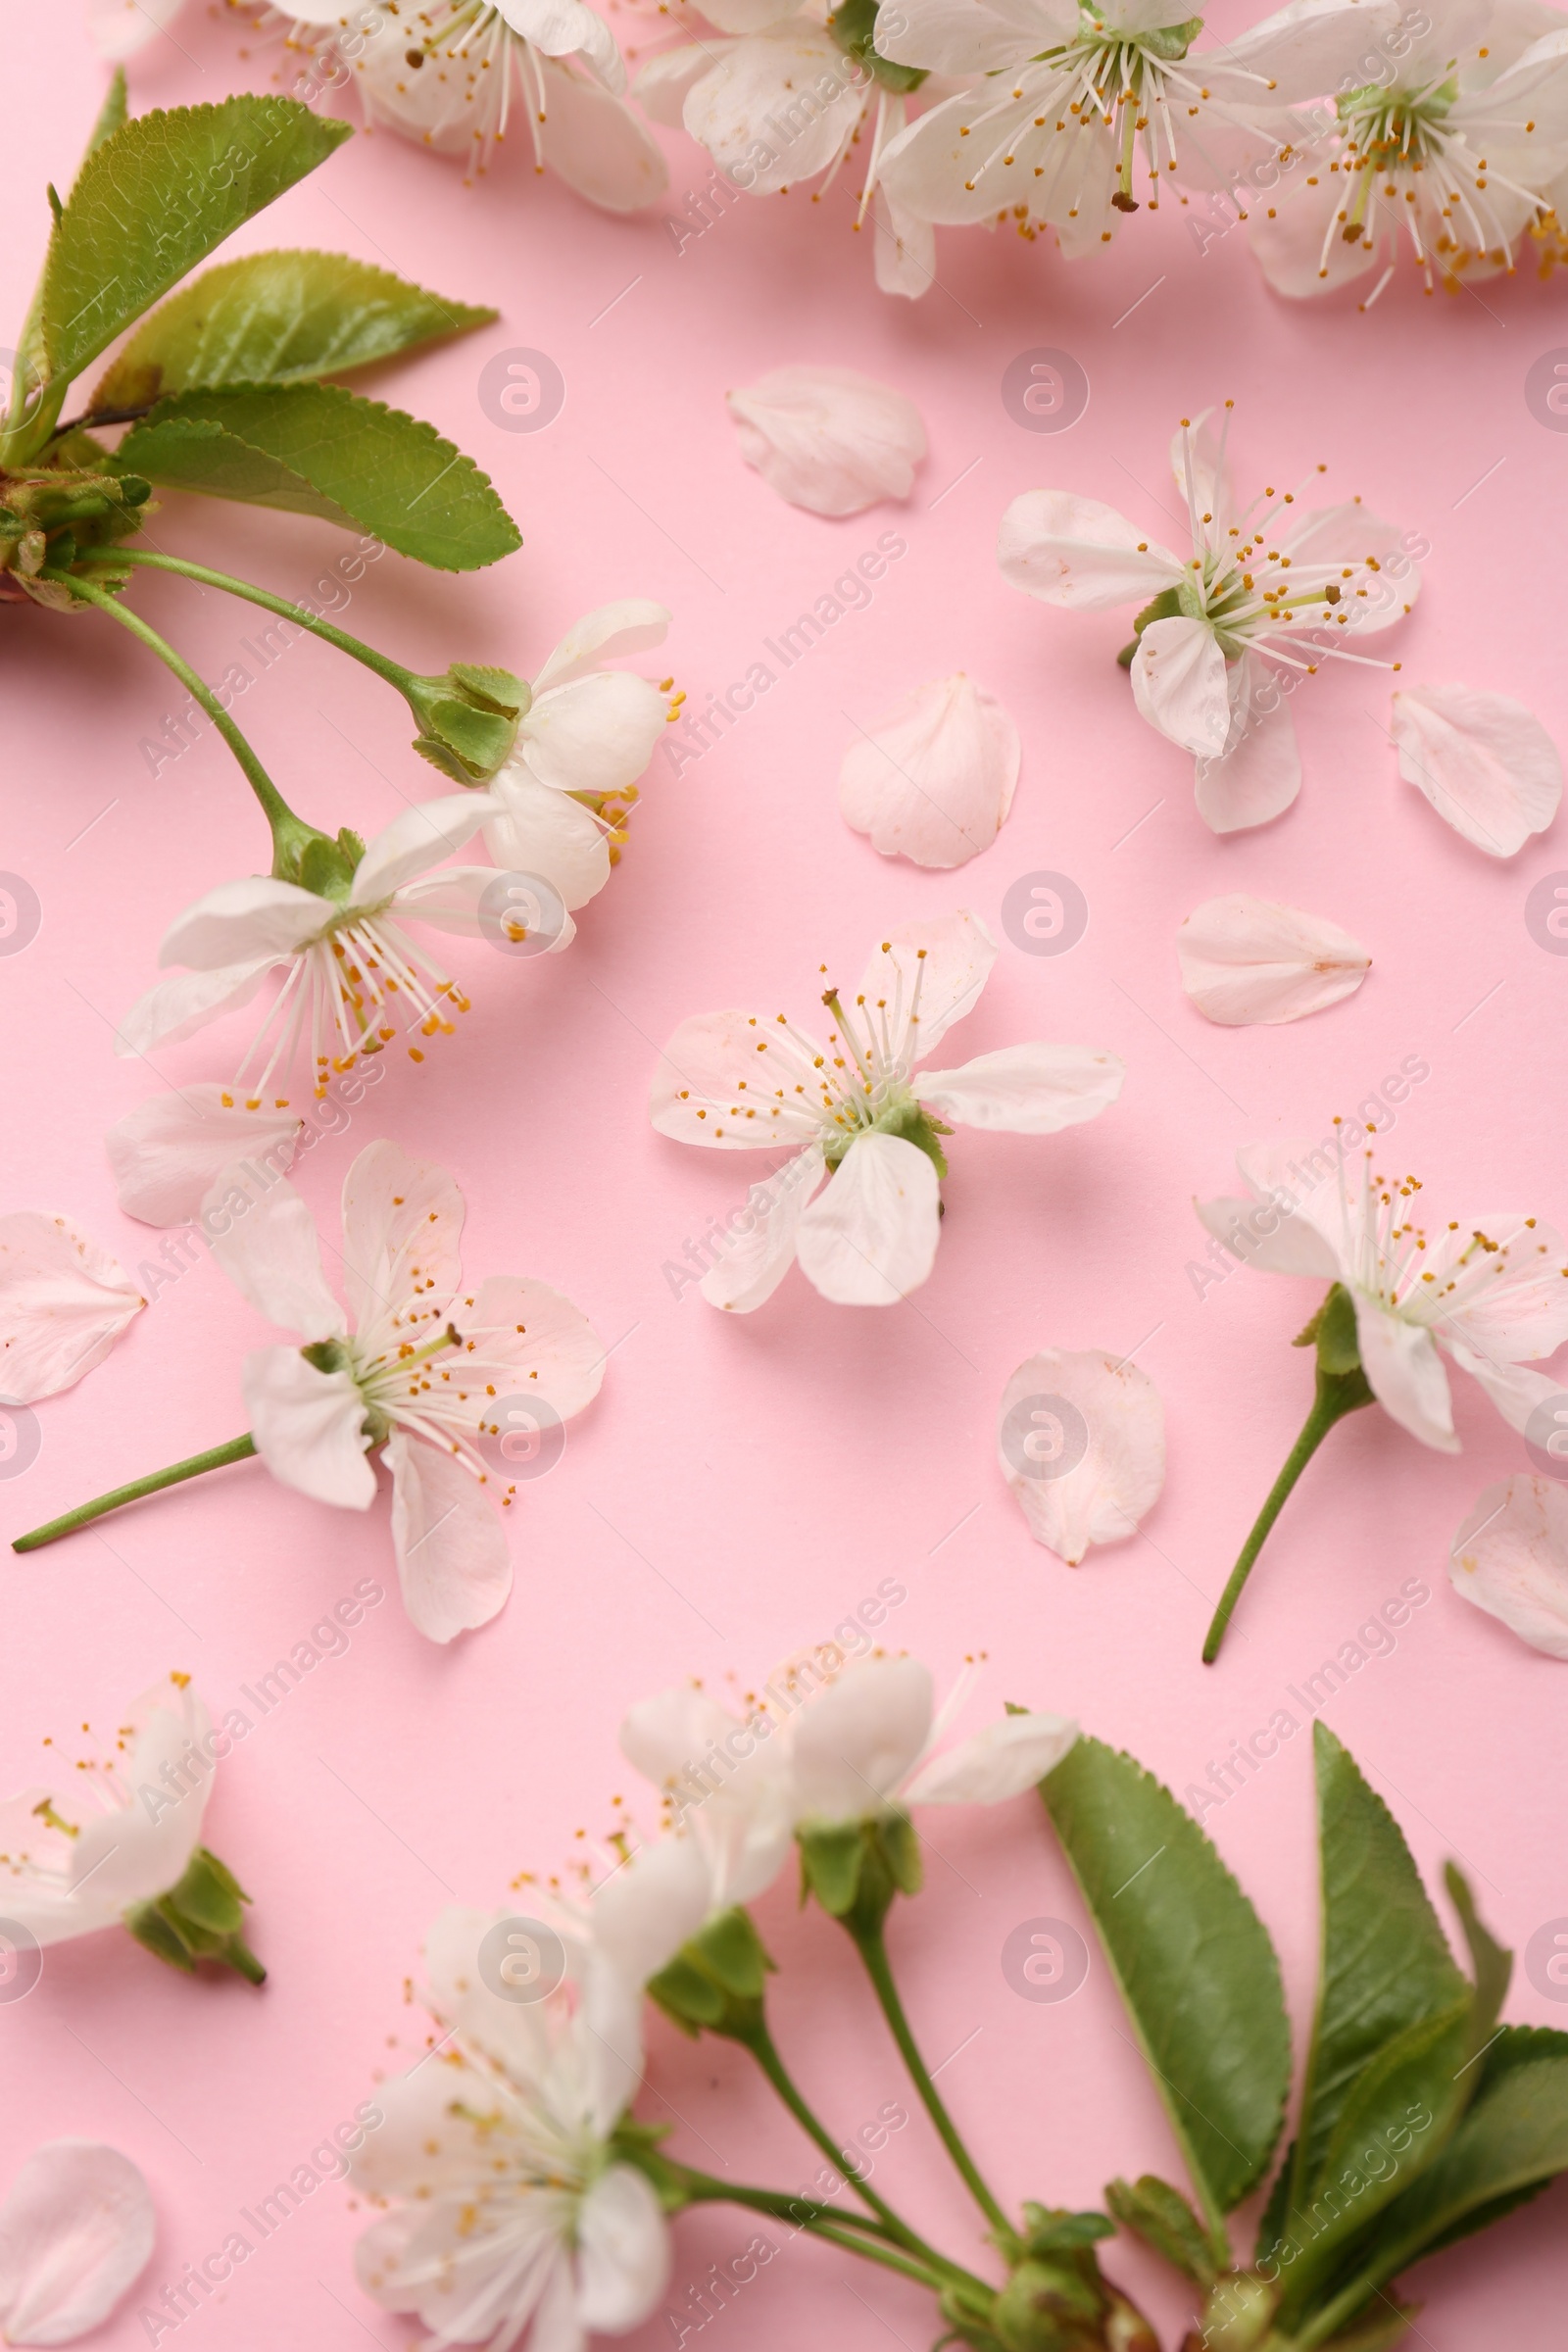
x=742, y=1485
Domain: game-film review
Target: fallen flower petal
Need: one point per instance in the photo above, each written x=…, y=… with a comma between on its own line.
x=1247, y=961
x=1510, y=1559
x=76, y=2233
x=1081, y=1439
x=829, y=440
x=64, y=1302
x=1485, y=764
x=934, y=781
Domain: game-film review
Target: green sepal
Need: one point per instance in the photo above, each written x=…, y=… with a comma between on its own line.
x=1057, y=2230
x=1166, y=605
x=853, y=25
x=325, y=1356
x=1239, y=2312
x=467, y=719
x=716, y=1983
x=199, y=1919
x=1171, y=42
x=439, y=757
x=492, y=689
x=329, y=867
x=857, y=1869
x=1165, y=2222
x=1333, y=1333
x=911, y=1123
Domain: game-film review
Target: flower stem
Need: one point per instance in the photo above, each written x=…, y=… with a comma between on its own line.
x=287, y=828
x=836, y=2228
x=385, y=667
x=873, y=1947
x=238, y=1449
x=1338, y=1394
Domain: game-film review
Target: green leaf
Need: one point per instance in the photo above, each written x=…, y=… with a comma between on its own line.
x=1193, y=1959
x=1162, y=2218
x=111, y=114
x=277, y=319
x=1386, y=1965
x=150, y=202
x=1513, y=2140
x=1489, y=1961
x=316, y=449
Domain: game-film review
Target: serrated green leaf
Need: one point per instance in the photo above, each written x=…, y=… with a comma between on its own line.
x=1489, y=1961
x=155, y=199
x=318, y=449
x=1162, y=2218
x=111, y=114
x=1193, y=1959
x=1385, y=1964
x=277, y=319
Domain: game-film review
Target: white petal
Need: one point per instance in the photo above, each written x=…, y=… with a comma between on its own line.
x=1258, y=773
x=645, y=1912
x=165, y=1153
x=661, y=86
x=475, y=902
x=76, y=2233
x=1306, y=48
x=265, y=1241
x=309, y=1428
x=965, y=36
x=714, y=1085
x=622, y=2251
x=119, y=27
x=1295, y=239
x=726, y=1777
x=1180, y=685
x=934, y=780
x=754, y=85
x=854, y=1745
x=1270, y=1234
x=1026, y=1090
x=592, y=734
x=178, y=1008
x=1351, y=533
x=64, y=1302
x=551, y=1349
x=243, y=920
x=1407, y=1374
x=936, y=967
x=452, y=1555
x=1076, y=553
x=547, y=833
x=760, y=1240
x=419, y=838
x=402, y=1237
x=124, y=1856
x=631, y=625
x=1485, y=763
x=1247, y=961
x=597, y=145
x=871, y=1238
x=560, y=27
x=1002, y=1761
x=1081, y=1440
x=1514, y=1389
x=906, y=246
x=829, y=440
x=1510, y=1559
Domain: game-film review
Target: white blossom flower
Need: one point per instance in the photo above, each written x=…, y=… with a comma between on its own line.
x=1510, y=1559
x=1485, y=763
x=787, y=98
x=64, y=1302
x=512, y=2219
x=1081, y=1440
x=448, y=74
x=116, y=1830
x=933, y=781
x=76, y=2233
x=1259, y=582
x=352, y=980
x=585, y=738
x=1449, y=143
x=1491, y=1292
x=869, y=1743
x=1247, y=961
x=413, y=1367
x=856, y=1107
x=1067, y=102
x=829, y=440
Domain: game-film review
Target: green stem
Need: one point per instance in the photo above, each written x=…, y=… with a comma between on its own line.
x=238, y=1449
x=873, y=1947
x=804, y=2213
x=288, y=830
x=385, y=667
x=1338, y=1394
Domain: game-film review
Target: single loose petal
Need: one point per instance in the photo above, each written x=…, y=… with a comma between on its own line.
x=1485, y=764
x=452, y=1555
x=1510, y=1559
x=1081, y=1440
x=1247, y=961
x=166, y=1153
x=1080, y=554
x=64, y=1302
x=829, y=440
x=76, y=2233
x=934, y=781
x=1180, y=685
x=1025, y=1090
x=871, y=1238
x=996, y=1764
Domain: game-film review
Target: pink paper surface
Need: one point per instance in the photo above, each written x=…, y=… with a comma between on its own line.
x=741, y=1485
